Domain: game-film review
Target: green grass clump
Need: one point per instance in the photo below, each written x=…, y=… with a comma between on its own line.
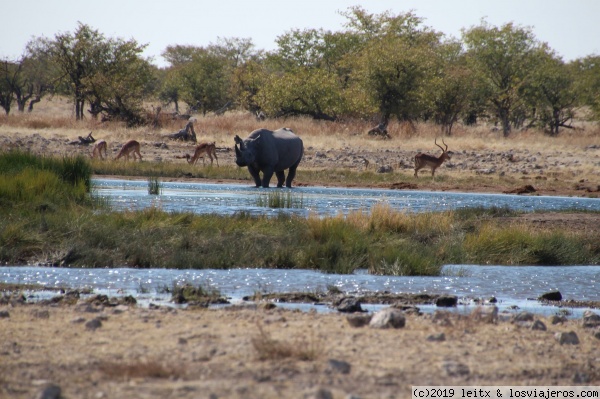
x=521, y=245
x=154, y=186
x=279, y=199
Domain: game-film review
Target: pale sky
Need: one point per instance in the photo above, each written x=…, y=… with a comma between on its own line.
x=570, y=27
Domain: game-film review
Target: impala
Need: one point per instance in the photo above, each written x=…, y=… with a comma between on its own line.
x=426, y=160
x=131, y=147
x=203, y=148
x=98, y=148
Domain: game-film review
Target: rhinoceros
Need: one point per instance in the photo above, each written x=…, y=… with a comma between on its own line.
x=270, y=152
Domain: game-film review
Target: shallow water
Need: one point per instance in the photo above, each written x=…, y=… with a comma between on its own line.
x=227, y=199
x=511, y=285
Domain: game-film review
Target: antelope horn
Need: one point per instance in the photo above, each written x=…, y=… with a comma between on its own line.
x=435, y=141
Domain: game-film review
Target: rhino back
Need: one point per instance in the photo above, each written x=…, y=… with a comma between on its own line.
x=289, y=148
x=280, y=149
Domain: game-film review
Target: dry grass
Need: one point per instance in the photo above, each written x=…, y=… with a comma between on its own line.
x=55, y=117
x=269, y=348
x=139, y=369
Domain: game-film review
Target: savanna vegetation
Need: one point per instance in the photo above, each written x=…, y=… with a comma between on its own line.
x=48, y=217
x=378, y=67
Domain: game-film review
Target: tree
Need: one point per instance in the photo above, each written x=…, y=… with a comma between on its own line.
x=8, y=70
x=41, y=72
x=553, y=94
x=586, y=72
x=120, y=82
x=108, y=73
x=396, y=56
x=448, y=92
x=392, y=72
x=504, y=59
x=204, y=80
x=305, y=91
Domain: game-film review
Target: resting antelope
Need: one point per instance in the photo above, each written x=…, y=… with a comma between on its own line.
x=426, y=160
x=209, y=148
x=131, y=147
x=98, y=148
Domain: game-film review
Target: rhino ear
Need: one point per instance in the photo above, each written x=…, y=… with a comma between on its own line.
x=239, y=141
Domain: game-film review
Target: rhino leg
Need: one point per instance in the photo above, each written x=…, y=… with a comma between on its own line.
x=267, y=174
x=291, y=175
x=255, y=175
x=280, y=178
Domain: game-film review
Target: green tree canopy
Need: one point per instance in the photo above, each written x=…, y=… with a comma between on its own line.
x=504, y=59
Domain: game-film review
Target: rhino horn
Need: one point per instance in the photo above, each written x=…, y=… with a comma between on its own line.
x=238, y=153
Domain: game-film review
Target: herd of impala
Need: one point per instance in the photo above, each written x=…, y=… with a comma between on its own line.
x=132, y=147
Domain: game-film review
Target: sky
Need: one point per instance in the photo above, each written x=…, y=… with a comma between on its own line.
x=570, y=27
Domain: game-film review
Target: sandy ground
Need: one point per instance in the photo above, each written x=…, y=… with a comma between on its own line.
x=252, y=352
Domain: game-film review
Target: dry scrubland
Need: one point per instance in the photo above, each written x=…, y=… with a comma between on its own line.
x=483, y=160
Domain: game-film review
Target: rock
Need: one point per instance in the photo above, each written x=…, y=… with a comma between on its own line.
x=555, y=319
x=446, y=301
x=4, y=314
x=388, y=318
x=93, y=324
x=78, y=320
x=437, y=337
x=567, y=338
x=455, y=369
x=50, y=392
x=597, y=335
x=338, y=366
x=359, y=320
x=590, y=319
x=538, y=325
x=349, y=305
x=551, y=296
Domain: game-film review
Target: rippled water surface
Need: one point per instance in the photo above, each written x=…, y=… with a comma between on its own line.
x=231, y=198
x=511, y=285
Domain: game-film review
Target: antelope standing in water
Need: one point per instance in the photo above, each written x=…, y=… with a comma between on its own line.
x=204, y=148
x=130, y=147
x=426, y=160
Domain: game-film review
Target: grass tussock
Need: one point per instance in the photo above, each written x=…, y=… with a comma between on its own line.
x=279, y=199
x=154, y=186
x=269, y=348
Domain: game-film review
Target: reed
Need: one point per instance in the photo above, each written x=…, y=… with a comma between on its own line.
x=154, y=186
x=279, y=199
